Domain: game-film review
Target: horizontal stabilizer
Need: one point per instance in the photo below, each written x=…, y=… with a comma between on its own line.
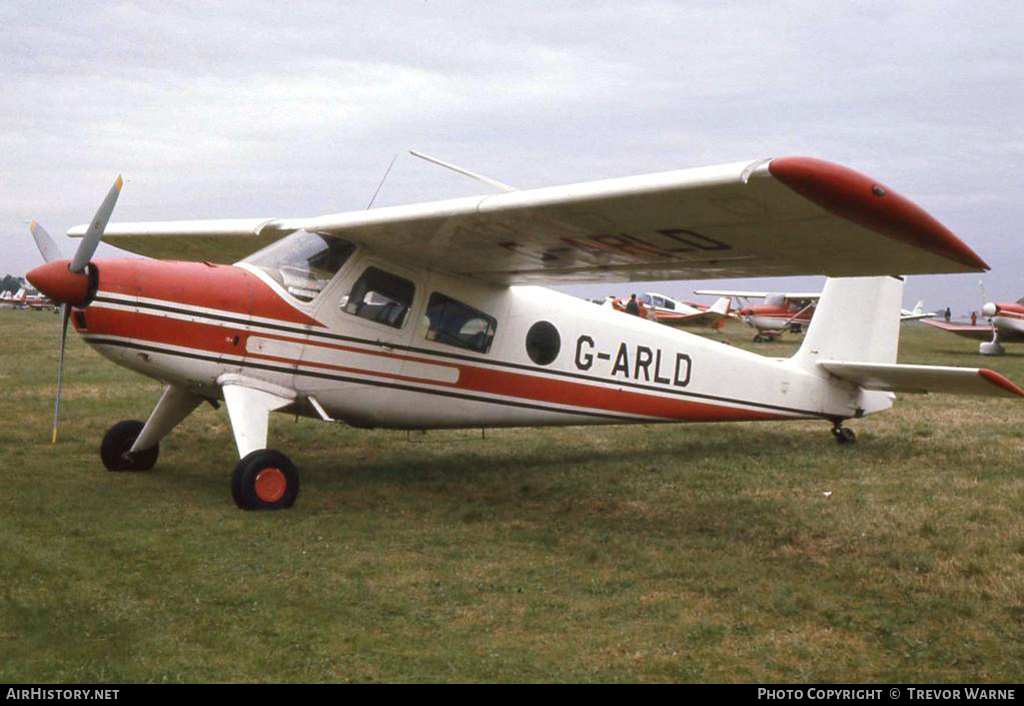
x=923, y=378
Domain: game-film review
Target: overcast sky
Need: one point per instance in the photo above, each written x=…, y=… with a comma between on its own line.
x=214, y=110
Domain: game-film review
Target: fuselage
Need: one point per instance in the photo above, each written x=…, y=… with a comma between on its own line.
x=552, y=359
x=777, y=318
x=1008, y=320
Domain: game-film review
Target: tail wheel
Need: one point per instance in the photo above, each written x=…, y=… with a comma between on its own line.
x=116, y=445
x=265, y=480
x=844, y=435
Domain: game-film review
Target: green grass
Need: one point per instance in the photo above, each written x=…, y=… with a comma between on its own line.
x=618, y=554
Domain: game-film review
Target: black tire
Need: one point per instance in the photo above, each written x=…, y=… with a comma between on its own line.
x=116, y=442
x=845, y=435
x=265, y=480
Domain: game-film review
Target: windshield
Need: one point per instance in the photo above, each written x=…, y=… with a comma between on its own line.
x=303, y=263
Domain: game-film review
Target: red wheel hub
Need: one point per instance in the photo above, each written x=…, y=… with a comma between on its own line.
x=270, y=485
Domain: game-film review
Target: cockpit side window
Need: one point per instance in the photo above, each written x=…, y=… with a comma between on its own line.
x=304, y=262
x=456, y=324
x=381, y=297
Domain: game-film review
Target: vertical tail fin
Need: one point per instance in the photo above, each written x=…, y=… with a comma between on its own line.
x=857, y=319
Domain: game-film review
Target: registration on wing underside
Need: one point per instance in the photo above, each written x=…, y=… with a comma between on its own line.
x=618, y=249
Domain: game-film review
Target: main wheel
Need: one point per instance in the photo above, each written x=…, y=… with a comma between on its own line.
x=265, y=480
x=114, y=450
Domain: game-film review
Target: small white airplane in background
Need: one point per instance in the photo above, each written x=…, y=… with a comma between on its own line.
x=427, y=316
x=917, y=313
x=25, y=299
x=672, y=312
x=779, y=313
x=1005, y=325
x=7, y=298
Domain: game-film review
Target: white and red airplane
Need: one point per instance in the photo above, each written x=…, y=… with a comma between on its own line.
x=792, y=312
x=780, y=312
x=1006, y=325
x=672, y=312
x=427, y=316
x=9, y=299
x=25, y=299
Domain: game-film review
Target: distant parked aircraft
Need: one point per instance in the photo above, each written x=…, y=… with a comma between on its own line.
x=672, y=312
x=780, y=312
x=1006, y=325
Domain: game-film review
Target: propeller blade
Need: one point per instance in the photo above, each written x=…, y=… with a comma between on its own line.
x=47, y=248
x=65, y=312
x=95, y=231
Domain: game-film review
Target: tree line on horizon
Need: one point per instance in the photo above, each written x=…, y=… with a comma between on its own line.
x=11, y=284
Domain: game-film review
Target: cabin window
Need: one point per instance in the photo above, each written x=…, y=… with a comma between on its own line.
x=543, y=343
x=645, y=299
x=381, y=297
x=303, y=263
x=456, y=324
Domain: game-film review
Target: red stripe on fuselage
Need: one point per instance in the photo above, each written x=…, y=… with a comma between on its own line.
x=231, y=340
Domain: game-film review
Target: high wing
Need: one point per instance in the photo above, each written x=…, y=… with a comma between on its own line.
x=783, y=216
x=978, y=333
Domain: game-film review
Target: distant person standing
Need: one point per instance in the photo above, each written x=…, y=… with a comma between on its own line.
x=632, y=307
x=974, y=318
x=948, y=314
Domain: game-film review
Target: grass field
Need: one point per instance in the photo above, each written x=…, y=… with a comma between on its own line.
x=695, y=553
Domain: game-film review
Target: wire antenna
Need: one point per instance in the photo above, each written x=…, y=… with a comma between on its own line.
x=381, y=184
x=465, y=172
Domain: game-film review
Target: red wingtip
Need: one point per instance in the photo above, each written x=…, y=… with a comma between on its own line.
x=868, y=203
x=1001, y=381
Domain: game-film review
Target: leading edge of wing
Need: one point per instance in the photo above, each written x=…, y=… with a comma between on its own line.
x=224, y=240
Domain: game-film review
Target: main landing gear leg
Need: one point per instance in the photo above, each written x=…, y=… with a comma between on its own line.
x=264, y=479
x=993, y=347
x=844, y=435
x=131, y=445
